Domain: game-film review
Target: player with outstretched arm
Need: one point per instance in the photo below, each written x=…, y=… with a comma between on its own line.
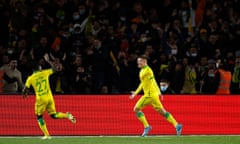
x=39, y=80
x=151, y=97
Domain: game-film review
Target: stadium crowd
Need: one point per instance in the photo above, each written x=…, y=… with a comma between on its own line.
x=192, y=44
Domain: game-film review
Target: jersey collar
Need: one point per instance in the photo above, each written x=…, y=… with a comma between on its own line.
x=145, y=67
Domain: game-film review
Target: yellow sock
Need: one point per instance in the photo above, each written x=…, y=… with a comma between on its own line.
x=142, y=119
x=43, y=126
x=60, y=115
x=171, y=119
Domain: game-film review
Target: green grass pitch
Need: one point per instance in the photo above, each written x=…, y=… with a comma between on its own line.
x=222, y=139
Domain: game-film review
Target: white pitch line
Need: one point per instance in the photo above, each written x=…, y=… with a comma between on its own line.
x=124, y=136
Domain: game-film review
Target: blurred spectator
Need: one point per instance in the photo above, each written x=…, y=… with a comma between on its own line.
x=19, y=15
x=172, y=39
x=209, y=79
x=57, y=51
x=5, y=15
x=80, y=83
x=133, y=70
x=24, y=64
x=202, y=41
x=212, y=45
x=203, y=64
x=186, y=13
x=40, y=49
x=104, y=89
x=165, y=87
x=4, y=63
x=225, y=78
x=4, y=60
x=177, y=77
x=171, y=32
x=99, y=59
x=190, y=78
x=235, y=86
x=124, y=77
x=217, y=79
x=229, y=61
x=166, y=9
x=12, y=79
x=163, y=67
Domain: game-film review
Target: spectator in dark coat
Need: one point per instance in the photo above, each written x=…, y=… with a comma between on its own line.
x=210, y=79
x=165, y=87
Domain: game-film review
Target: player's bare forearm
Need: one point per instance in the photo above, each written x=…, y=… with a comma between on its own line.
x=46, y=58
x=55, y=66
x=25, y=92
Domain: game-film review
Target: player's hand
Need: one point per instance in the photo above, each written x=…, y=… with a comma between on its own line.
x=132, y=95
x=25, y=92
x=46, y=57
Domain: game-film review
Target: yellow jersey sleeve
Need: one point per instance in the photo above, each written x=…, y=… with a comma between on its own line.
x=49, y=71
x=28, y=82
x=138, y=89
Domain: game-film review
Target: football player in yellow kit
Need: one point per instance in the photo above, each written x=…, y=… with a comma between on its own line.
x=39, y=80
x=151, y=97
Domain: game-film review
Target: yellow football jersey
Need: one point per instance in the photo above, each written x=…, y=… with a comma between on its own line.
x=40, y=82
x=148, y=83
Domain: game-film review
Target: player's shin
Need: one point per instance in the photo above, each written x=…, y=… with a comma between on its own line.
x=59, y=115
x=43, y=126
x=170, y=119
x=141, y=117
